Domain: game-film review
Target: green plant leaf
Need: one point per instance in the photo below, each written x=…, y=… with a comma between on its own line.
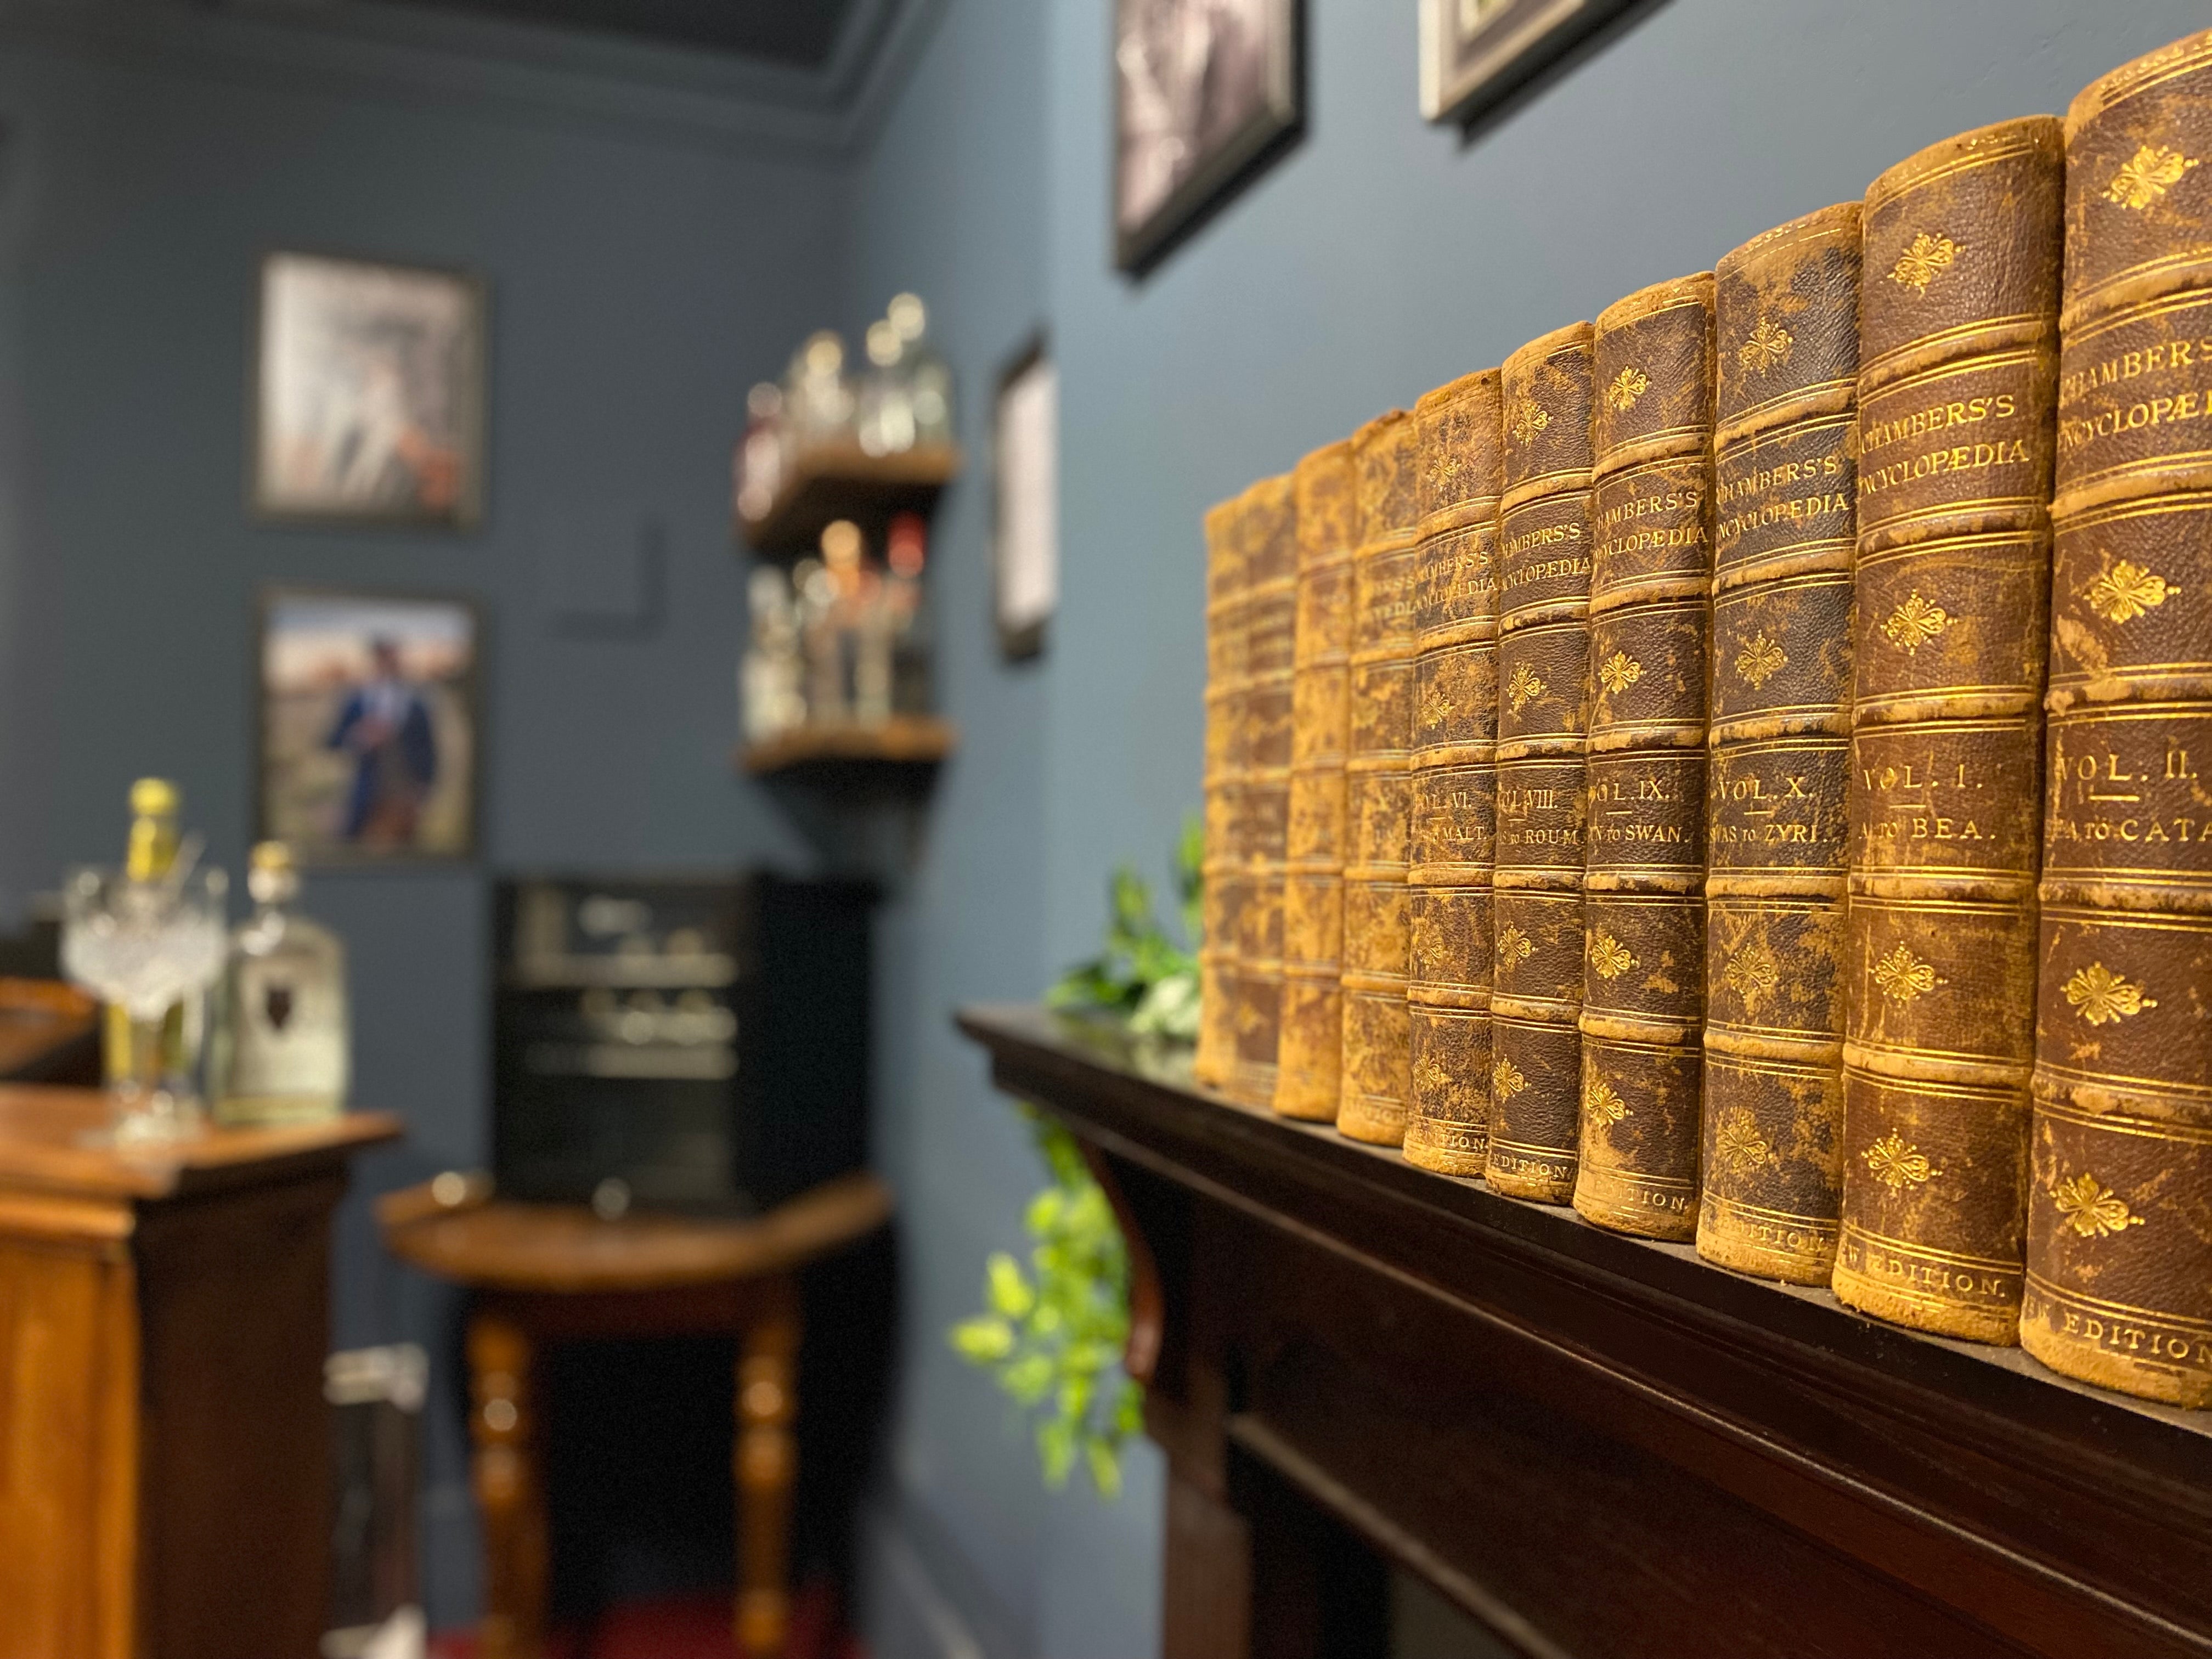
x=983, y=1339
x=1104, y=1457
x=1011, y=1294
x=1055, y=1442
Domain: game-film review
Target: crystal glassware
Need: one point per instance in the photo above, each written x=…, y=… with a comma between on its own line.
x=142, y=946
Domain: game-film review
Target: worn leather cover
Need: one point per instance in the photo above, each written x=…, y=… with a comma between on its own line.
x=1543, y=729
x=2119, y=1236
x=1271, y=586
x=1454, y=823
x=1223, y=865
x=1786, y=313
x=1378, y=779
x=1959, y=344
x=1643, y=906
x=1312, y=1021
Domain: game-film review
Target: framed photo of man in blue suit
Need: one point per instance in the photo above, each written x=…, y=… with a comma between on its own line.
x=369, y=726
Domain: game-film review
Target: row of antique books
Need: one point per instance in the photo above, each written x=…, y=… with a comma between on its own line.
x=1741, y=768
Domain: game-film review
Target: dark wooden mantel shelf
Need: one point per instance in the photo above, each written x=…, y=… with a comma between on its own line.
x=1596, y=1446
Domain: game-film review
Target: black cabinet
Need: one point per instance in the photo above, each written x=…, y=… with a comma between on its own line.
x=688, y=1044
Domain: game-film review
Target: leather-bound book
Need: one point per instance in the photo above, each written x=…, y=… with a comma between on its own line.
x=1312, y=1025
x=1643, y=906
x=1543, y=695
x=2119, y=1233
x=1786, y=315
x=1454, y=819
x=1222, y=866
x=1270, y=602
x=1958, y=372
x=1378, y=779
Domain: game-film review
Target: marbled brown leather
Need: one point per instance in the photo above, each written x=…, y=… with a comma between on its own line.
x=1454, y=784
x=1543, y=727
x=1786, y=310
x=2119, y=1210
x=1308, y=1074
x=1271, y=581
x=1643, y=995
x=1959, y=331
x=1222, y=866
x=1378, y=776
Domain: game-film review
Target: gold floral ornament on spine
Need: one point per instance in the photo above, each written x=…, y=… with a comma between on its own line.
x=1619, y=671
x=1505, y=1078
x=1738, y=1141
x=2103, y=998
x=1768, y=347
x=2091, y=1208
x=1609, y=956
x=1602, y=1103
x=2147, y=175
x=1920, y=265
x=1760, y=660
x=1902, y=976
x=1513, y=945
x=1914, y=624
x=1752, y=972
x=1525, y=687
x=1897, y=1163
x=1627, y=387
x=1526, y=419
x=2123, y=591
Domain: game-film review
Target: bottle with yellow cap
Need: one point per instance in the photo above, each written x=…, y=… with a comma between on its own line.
x=150, y=854
x=281, y=1049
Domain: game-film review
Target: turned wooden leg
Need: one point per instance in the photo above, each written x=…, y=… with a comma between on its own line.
x=509, y=1490
x=766, y=1465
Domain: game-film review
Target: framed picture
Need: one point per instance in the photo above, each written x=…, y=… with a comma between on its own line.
x=1025, y=522
x=368, y=394
x=1206, y=94
x=1474, y=53
x=369, y=723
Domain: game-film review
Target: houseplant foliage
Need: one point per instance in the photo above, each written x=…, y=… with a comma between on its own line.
x=1144, y=974
x=1052, y=1332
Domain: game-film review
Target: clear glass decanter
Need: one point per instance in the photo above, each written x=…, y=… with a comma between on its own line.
x=283, y=1052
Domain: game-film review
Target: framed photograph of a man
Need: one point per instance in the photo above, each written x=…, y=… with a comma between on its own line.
x=1206, y=94
x=367, y=393
x=368, y=725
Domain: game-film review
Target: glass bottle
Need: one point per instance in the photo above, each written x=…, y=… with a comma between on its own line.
x=283, y=1054
x=886, y=402
x=149, y=854
x=928, y=377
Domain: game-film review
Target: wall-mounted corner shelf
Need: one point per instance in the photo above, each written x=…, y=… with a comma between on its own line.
x=902, y=750
x=842, y=481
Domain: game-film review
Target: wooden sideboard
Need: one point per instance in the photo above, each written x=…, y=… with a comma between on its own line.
x=164, y=1452
x=1596, y=1446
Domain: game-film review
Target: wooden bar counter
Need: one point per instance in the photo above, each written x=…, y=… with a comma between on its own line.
x=164, y=1451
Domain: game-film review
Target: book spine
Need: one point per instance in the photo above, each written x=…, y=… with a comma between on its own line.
x=1643, y=959
x=2119, y=1244
x=1543, y=696
x=1378, y=777
x=1454, y=819
x=1312, y=1020
x=1271, y=587
x=1222, y=864
x=1958, y=365
x=1786, y=317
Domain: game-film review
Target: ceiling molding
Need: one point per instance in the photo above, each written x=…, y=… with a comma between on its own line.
x=491, y=67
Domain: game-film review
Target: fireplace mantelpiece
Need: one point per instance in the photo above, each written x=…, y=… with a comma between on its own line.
x=1599, y=1447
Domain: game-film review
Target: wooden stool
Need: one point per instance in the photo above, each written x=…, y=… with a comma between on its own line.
x=544, y=1273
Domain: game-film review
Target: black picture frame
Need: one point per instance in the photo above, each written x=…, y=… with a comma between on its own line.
x=271, y=501
x=1465, y=72
x=279, y=820
x=1265, y=116
x=1020, y=637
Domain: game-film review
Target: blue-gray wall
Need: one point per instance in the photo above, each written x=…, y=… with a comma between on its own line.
x=637, y=289
x=1379, y=259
